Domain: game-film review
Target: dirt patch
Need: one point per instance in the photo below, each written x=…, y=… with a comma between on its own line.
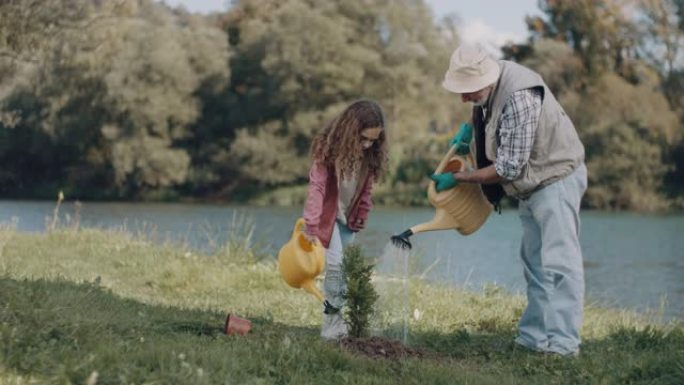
x=379, y=347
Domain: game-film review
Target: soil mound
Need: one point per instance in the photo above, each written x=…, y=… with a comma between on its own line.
x=379, y=347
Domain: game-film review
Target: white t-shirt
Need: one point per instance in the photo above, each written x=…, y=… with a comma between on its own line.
x=347, y=190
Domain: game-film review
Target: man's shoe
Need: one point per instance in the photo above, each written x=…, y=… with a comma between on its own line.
x=566, y=354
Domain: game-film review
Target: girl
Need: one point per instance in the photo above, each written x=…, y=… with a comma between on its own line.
x=349, y=155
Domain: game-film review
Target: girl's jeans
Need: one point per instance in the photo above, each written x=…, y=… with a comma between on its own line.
x=552, y=260
x=334, y=283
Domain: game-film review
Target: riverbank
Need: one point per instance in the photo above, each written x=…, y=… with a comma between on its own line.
x=79, y=305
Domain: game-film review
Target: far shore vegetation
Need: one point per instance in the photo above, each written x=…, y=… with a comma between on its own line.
x=135, y=100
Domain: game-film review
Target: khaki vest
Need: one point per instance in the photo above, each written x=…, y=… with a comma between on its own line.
x=557, y=150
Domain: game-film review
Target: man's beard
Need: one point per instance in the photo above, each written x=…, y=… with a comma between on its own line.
x=480, y=103
x=483, y=101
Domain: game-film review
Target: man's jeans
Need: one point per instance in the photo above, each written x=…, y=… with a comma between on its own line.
x=552, y=260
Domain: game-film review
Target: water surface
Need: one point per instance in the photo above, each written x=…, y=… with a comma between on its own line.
x=631, y=261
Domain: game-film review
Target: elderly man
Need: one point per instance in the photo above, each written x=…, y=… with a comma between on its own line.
x=527, y=147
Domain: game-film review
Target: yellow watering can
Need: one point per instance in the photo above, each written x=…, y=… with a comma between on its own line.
x=300, y=261
x=463, y=208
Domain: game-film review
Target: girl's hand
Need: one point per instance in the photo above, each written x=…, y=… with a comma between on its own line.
x=359, y=225
x=311, y=238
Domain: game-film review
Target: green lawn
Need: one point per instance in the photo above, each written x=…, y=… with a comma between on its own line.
x=92, y=306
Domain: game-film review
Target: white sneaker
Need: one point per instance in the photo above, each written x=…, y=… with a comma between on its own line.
x=334, y=327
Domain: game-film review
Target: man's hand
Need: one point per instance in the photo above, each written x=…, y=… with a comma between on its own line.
x=444, y=181
x=462, y=139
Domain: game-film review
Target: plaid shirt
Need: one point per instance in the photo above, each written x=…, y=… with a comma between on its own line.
x=517, y=126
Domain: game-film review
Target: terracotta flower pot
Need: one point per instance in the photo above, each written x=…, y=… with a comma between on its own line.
x=237, y=325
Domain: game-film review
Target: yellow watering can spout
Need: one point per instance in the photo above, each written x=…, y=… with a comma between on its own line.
x=300, y=261
x=463, y=208
x=310, y=287
x=441, y=221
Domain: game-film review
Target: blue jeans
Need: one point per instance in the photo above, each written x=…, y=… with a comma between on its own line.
x=552, y=260
x=334, y=283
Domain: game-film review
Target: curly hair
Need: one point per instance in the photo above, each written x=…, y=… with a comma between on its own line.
x=340, y=144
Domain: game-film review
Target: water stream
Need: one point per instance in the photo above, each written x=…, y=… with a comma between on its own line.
x=392, y=285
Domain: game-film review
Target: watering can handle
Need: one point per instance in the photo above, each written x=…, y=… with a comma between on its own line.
x=448, y=156
x=472, y=160
x=297, y=227
x=445, y=160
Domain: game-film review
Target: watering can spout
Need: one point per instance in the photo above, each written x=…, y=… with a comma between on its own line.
x=441, y=221
x=310, y=287
x=402, y=240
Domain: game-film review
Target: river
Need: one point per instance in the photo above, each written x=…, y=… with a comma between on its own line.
x=632, y=261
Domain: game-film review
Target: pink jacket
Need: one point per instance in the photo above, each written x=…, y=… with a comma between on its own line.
x=320, y=210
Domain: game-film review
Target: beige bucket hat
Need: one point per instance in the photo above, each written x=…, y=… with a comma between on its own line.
x=470, y=69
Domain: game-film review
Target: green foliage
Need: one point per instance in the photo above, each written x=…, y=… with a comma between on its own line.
x=674, y=90
x=319, y=67
x=626, y=115
x=624, y=129
x=561, y=69
x=391, y=52
x=117, y=112
x=267, y=156
x=675, y=177
x=662, y=40
x=601, y=33
x=361, y=295
x=31, y=28
x=134, y=100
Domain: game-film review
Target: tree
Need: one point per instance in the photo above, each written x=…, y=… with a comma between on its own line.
x=625, y=129
x=557, y=64
x=622, y=60
x=661, y=38
x=600, y=32
x=317, y=68
x=388, y=51
x=361, y=295
x=29, y=28
x=112, y=101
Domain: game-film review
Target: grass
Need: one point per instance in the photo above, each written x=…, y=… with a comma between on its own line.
x=103, y=307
